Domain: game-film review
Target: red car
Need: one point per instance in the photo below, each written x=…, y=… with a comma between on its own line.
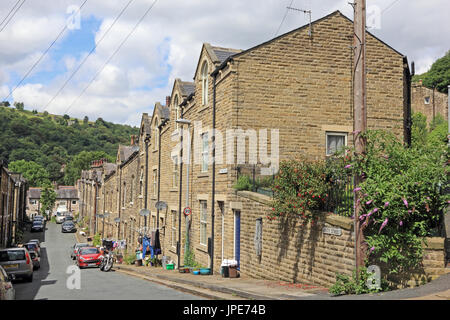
x=88, y=257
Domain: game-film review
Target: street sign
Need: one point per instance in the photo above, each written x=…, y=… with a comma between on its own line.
x=144, y=212
x=187, y=211
x=161, y=205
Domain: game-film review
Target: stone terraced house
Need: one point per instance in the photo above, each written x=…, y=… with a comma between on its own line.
x=289, y=98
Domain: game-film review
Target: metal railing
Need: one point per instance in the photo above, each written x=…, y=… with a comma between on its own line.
x=249, y=178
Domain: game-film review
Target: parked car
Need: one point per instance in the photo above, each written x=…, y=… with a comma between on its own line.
x=17, y=261
x=89, y=257
x=76, y=247
x=68, y=226
x=7, y=291
x=68, y=218
x=36, y=260
x=31, y=246
x=35, y=241
x=39, y=218
x=59, y=217
x=37, y=226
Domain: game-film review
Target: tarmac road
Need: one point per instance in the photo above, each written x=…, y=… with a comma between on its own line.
x=50, y=281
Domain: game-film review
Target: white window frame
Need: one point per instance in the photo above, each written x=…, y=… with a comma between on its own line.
x=155, y=181
x=427, y=100
x=203, y=222
x=204, y=78
x=327, y=134
x=177, y=110
x=205, y=151
x=173, y=235
x=175, y=171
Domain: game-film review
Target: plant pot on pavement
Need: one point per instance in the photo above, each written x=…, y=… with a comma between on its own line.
x=139, y=263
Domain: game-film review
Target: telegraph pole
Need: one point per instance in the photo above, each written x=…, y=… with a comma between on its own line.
x=359, y=115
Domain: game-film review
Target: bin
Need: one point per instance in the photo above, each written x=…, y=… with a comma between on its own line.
x=232, y=271
x=169, y=266
x=225, y=272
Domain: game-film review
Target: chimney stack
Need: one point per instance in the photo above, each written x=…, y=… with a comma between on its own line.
x=133, y=139
x=167, y=101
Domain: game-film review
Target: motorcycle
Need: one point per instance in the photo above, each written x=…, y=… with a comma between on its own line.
x=107, y=259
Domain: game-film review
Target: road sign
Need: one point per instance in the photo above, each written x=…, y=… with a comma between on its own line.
x=144, y=212
x=161, y=205
x=187, y=211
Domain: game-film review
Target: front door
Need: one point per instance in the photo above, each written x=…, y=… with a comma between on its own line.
x=237, y=237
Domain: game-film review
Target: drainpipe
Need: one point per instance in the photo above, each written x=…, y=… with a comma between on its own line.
x=163, y=122
x=213, y=141
x=448, y=114
x=146, y=180
x=180, y=194
x=120, y=202
x=95, y=207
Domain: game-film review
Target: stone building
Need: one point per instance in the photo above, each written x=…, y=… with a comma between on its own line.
x=66, y=196
x=429, y=102
x=287, y=98
x=13, y=189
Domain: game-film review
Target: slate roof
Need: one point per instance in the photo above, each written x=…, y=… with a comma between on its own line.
x=224, y=53
x=34, y=193
x=187, y=88
x=67, y=193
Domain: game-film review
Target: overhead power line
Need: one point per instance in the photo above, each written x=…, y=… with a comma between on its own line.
x=112, y=56
x=87, y=56
x=282, y=20
x=12, y=16
x=42, y=56
x=6, y=17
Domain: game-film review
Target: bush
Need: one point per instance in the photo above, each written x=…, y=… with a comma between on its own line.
x=300, y=189
x=97, y=241
x=129, y=258
x=352, y=285
x=243, y=183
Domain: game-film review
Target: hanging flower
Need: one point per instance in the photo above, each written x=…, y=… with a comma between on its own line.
x=372, y=249
x=383, y=225
x=405, y=202
x=386, y=204
x=356, y=189
x=348, y=166
x=401, y=223
x=369, y=202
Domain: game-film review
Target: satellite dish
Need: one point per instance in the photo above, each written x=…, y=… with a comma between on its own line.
x=117, y=220
x=106, y=215
x=144, y=212
x=161, y=205
x=100, y=215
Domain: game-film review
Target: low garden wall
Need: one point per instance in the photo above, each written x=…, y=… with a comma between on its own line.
x=312, y=254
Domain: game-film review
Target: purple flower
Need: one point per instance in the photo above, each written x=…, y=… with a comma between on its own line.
x=372, y=249
x=369, y=202
x=401, y=223
x=386, y=204
x=383, y=225
x=362, y=217
x=409, y=211
x=405, y=202
x=356, y=189
x=348, y=166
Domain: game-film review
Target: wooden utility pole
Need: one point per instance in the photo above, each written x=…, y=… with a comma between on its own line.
x=359, y=114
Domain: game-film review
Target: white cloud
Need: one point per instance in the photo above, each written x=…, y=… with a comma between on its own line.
x=167, y=44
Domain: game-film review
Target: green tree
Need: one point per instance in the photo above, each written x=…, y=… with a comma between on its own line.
x=19, y=105
x=48, y=197
x=35, y=174
x=85, y=120
x=5, y=104
x=439, y=74
x=82, y=161
x=419, y=130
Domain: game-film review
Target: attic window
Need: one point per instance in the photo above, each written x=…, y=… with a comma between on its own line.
x=426, y=100
x=204, y=83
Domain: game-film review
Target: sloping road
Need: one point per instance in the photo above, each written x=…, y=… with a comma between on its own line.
x=50, y=281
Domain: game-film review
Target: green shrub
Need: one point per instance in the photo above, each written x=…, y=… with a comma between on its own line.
x=352, y=285
x=243, y=183
x=129, y=258
x=97, y=240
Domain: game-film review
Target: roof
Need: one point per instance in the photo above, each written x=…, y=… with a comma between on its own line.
x=337, y=12
x=224, y=53
x=125, y=152
x=145, y=124
x=67, y=193
x=109, y=168
x=34, y=193
x=187, y=88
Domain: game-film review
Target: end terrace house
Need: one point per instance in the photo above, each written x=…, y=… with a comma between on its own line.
x=287, y=98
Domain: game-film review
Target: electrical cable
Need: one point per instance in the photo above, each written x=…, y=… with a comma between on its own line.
x=12, y=16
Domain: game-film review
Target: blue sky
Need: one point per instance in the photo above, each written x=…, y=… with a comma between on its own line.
x=167, y=43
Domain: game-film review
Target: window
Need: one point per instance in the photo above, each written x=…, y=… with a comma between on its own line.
x=205, y=152
x=427, y=100
x=132, y=189
x=335, y=141
x=203, y=222
x=175, y=171
x=156, y=134
x=204, y=83
x=124, y=194
x=173, y=234
x=154, y=222
x=177, y=110
x=141, y=184
x=33, y=201
x=155, y=181
x=74, y=201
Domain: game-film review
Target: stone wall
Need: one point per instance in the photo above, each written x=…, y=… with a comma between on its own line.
x=427, y=102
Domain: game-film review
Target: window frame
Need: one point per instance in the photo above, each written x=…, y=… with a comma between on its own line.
x=175, y=171
x=155, y=181
x=204, y=81
x=205, y=152
x=173, y=233
x=203, y=222
x=334, y=133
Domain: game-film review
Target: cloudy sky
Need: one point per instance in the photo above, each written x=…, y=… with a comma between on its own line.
x=166, y=45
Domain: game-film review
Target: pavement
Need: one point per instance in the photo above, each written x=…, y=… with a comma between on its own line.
x=217, y=287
